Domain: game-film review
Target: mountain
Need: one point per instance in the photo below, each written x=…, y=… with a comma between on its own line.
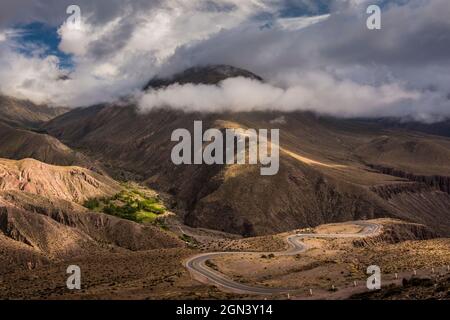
x=43, y=184
x=21, y=136
x=212, y=74
x=41, y=218
x=73, y=184
x=440, y=128
x=17, y=144
x=330, y=169
x=62, y=174
x=23, y=113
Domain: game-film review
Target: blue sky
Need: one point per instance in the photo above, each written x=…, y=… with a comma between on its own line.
x=299, y=9
x=45, y=37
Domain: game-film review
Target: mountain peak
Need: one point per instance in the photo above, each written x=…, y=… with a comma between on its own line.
x=210, y=74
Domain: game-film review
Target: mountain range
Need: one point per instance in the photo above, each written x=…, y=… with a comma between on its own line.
x=55, y=160
x=331, y=169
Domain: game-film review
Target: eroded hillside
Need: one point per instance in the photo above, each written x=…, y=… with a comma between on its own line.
x=42, y=218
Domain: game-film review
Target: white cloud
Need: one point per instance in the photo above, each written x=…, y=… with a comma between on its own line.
x=28, y=77
x=329, y=63
x=75, y=41
x=298, y=23
x=318, y=92
x=9, y=34
x=115, y=58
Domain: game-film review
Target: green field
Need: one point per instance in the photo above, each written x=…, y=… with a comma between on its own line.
x=130, y=203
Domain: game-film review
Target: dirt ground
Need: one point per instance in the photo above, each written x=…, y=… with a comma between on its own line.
x=338, y=228
x=331, y=265
x=154, y=274
x=329, y=268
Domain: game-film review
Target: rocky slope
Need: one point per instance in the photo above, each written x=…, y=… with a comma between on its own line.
x=41, y=219
x=68, y=183
x=17, y=144
x=22, y=113
x=21, y=137
x=395, y=231
x=61, y=228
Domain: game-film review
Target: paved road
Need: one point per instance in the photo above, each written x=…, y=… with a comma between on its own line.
x=200, y=271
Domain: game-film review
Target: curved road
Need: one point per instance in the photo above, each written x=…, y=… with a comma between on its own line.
x=200, y=271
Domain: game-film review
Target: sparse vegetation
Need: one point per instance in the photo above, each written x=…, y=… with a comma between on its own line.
x=189, y=240
x=131, y=204
x=333, y=289
x=161, y=223
x=270, y=256
x=211, y=265
x=91, y=204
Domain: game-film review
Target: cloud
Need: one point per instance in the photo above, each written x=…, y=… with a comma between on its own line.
x=121, y=45
x=9, y=34
x=319, y=53
x=298, y=23
x=32, y=82
x=412, y=49
x=75, y=41
x=317, y=92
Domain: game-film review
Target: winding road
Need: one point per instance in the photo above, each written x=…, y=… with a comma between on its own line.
x=200, y=271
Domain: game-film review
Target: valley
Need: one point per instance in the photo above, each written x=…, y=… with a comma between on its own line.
x=96, y=187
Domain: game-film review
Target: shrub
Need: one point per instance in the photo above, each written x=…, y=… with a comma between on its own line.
x=128, y=204
x=91, y=204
